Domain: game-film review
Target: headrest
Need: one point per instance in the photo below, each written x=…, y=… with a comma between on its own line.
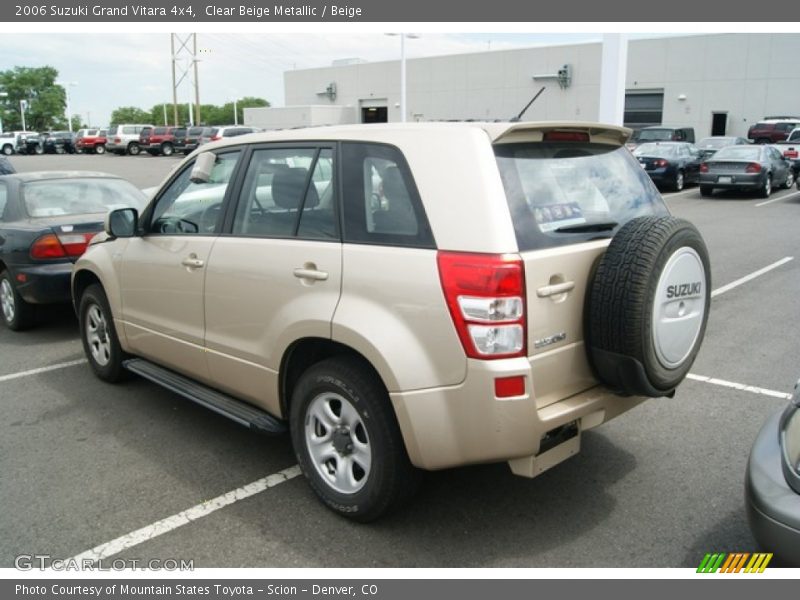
x=288, y=186
x=393, y=186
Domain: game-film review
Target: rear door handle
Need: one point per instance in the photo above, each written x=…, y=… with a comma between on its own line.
x=312, y=274
x=555, y=289
x=192, y=262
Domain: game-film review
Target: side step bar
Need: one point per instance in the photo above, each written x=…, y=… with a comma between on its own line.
x=236, y=410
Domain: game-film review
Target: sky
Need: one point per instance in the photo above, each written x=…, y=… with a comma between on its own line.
x=110, y=70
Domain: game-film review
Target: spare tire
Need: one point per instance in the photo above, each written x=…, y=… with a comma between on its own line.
x=648, y=306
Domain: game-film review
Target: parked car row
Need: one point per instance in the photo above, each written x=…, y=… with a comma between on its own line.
x=725, y=163
x=166, y=140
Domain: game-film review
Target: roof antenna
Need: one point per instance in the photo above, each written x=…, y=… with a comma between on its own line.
x=518, y=118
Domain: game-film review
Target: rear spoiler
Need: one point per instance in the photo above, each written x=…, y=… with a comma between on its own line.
x=533, y=132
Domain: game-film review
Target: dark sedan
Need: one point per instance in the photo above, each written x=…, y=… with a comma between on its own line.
x=756, y=168
x=670, y=164
x=58, y=142
x=709, y=146
x=772, y=484
x=46, y=222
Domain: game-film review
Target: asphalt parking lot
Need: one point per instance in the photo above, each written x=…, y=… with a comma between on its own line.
x=85, y=463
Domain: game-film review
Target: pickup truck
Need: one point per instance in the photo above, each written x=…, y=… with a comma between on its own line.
x=790, y=148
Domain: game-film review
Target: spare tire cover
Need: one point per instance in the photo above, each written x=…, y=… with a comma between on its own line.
x=648, y=306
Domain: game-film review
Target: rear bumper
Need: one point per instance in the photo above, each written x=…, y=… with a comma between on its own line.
x=737, y=180
x=466, y=424
x=44, y=284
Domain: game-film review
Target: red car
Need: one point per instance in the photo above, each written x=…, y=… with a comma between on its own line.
x=159, y=140
x=91, y=141
x=772, y=130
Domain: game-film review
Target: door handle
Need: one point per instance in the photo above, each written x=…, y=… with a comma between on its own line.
x=312, y=274
x=192, y=262
x=555, y=289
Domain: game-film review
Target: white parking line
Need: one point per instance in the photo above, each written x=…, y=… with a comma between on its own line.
x=779, y=198
x=753, y=275
x=203, y=509
x=71, y=363
x=676, y=194
x=739, y=386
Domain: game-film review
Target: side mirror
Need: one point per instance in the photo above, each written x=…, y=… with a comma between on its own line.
x=122, y=222
x=203, y=165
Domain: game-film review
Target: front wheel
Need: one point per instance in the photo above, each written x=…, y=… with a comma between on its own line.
x=348, y=442
x=8, y=150
x=789, y=180
x=99, y=336
x=17, y=314
x=167, y=149
x=678, y=183
x=37, y=149
x=134, y=149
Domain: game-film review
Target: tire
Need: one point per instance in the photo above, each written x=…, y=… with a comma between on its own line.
x=60, y=150
x=167, y=149
x=38, y=150
x=706, y=191
x=679, y=181
x=381, y=478
x=99, y=335
x=766, y=189
x=134, y=149
x=789, y=180
x=100, y=149
x=8, y=150
x=17, y=314
x=655, y=270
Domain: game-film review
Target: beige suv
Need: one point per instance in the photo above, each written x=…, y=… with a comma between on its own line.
x=403, y=297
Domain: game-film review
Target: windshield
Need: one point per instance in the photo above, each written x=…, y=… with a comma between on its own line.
x=57, y=197
x=716, y=143
x=738, y=153
x=657, y=150
x=654, y=135
x=556, y=185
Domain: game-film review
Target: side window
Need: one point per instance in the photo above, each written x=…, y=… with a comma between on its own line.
x=288, y=192
x=381, y=202
x=187, y=208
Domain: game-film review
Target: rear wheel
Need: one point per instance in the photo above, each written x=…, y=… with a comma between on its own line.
x=8, y=150
x=38, y=149
x=134, y=149
x=348, y=442
x=706, y=191
x=17, y=314
x=678, y=183
x=100, y=149
x=766, y=187
x=789, y=179
x=99, y=335
x=167, y=149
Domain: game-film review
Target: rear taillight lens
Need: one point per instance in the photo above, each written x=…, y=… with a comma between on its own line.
x=117, y=140
x=485, y=294
x=790, y=153
x=659, y=163
x=704, y=167
x=753, y=168
x=216, y=138
x=65, y=245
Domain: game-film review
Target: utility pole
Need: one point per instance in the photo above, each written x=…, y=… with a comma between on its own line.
x=184, y=63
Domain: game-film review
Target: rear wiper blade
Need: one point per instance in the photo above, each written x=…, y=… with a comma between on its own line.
x=586, y=227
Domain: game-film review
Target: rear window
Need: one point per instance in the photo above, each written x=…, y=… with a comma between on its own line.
x=657, y=150
x=716, y=143
x=57, y=197
x=738, y=153
x=654, y=135
x=552, y=186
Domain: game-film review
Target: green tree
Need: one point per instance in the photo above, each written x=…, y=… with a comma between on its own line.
x=130, y=114
x=246, y=102
x=37, y=87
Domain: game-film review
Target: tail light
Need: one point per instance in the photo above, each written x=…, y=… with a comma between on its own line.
x=485, y=294
x=117, y=140
x=704, y=167
x=753, y=168
x=565, y=136
x=790, y=153
x=660, y=162
x=215, y=138
x=65, y=245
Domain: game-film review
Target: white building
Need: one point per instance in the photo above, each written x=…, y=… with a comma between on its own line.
x=718, y=83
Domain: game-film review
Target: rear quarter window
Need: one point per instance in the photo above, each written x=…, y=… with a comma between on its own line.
x=561, y=185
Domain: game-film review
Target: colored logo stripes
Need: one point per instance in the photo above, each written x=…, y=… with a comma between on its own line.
x=735, y=562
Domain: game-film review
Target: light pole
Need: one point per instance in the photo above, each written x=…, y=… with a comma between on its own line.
x=235, y=113
x=66, y=85
x=23, y=104
x=2, y=95
x=403, y=36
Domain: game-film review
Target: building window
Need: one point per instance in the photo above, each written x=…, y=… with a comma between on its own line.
x=643, y=108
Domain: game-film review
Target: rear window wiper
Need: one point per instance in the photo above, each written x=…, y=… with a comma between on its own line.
x=586, y=227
